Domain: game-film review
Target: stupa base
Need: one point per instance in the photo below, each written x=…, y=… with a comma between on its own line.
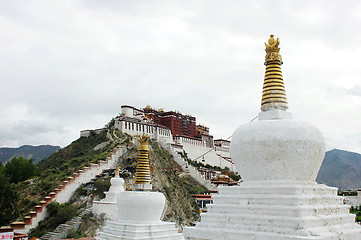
x=281, y=210
x=118, y=230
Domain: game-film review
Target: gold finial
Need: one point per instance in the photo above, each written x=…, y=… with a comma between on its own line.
x=272, y=49
x=142, y=174
x=274, y=94
x=117, y=171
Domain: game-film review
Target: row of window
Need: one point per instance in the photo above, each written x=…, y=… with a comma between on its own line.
x=145, y=128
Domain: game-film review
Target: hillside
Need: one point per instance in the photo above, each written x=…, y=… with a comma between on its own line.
x=37, y=153
x=167, y=177
x=341, y=169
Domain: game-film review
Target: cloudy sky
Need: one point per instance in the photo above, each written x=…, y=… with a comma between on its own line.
x=67, y=65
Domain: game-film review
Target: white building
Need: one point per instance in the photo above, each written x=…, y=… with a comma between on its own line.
x=133, y=122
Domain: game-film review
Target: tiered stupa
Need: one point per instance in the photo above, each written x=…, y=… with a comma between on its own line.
x=278, y=159
x=139, y=211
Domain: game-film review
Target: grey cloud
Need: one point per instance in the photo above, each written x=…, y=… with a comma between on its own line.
x=355, y=90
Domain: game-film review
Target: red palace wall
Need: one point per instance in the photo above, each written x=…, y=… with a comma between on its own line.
x=178, y=123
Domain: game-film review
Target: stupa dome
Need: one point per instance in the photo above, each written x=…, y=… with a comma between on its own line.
x=277, y=150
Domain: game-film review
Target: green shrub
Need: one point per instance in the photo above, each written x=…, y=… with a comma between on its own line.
x=20, y=169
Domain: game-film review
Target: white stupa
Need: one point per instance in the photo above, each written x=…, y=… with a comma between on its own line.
x=278, y=159
x=108, y=205
x=139, y=212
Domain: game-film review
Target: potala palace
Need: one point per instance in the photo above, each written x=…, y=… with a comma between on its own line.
x=176, y=132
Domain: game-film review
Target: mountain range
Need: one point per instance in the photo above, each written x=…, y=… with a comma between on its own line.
x=341, y=169
x=37, y=153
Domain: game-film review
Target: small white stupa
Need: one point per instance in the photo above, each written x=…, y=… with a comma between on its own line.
x=278, y=159
x=139, y=212
x=108, y=205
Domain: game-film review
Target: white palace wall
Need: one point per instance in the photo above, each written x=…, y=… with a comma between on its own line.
x=138, y=128
x=196, y=148
x=87, y=176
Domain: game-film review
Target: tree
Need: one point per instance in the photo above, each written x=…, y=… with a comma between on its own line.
x=20, y=169
x=8, y=199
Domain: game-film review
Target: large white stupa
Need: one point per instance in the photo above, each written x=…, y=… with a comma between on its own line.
x=139, y=212
x=278, y=159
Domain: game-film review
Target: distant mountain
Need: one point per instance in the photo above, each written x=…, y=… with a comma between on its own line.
x=341, y=169
x=37, y=153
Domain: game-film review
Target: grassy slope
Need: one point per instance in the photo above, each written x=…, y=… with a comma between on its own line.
x=57, y=167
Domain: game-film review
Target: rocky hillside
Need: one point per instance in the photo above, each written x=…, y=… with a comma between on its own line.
x=341, y=169
x=37, y=153
x=176, y=185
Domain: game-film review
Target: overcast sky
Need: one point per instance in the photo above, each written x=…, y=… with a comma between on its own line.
x=68, y=65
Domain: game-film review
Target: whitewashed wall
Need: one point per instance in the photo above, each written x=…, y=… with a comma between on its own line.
x=211, y=158
x=154, y=132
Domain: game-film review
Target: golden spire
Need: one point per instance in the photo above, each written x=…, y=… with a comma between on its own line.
x=274, y=94
x=142, y=174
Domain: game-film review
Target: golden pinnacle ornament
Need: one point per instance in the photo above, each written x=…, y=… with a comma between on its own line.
x=274, y=94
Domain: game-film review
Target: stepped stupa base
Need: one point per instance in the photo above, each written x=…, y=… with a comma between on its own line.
x=276, y=209
x=118, y=230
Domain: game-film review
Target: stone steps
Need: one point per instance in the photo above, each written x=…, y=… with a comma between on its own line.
x=119, y=230
x=278, y=188
x=279, y=210
x=282, y=200
x=246, y=220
